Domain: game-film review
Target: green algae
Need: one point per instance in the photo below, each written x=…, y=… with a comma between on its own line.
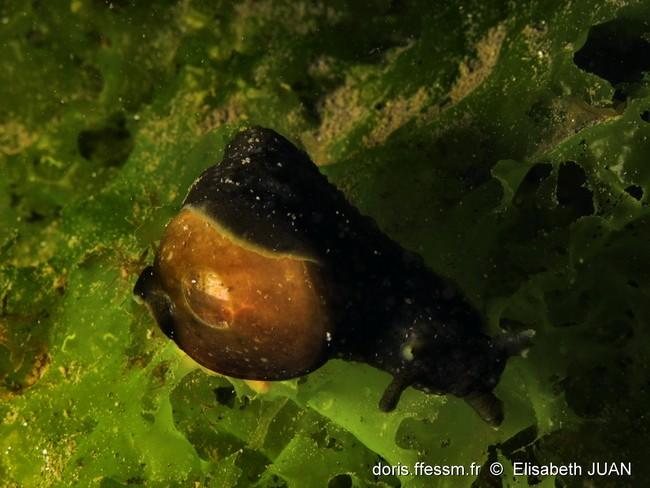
x=466, y=129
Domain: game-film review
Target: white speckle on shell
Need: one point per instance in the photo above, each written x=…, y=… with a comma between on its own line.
x=407, y=352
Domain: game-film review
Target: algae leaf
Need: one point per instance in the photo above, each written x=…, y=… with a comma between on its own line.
x=494, y=138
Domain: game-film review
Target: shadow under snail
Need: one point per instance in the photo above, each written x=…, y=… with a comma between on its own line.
x=267, y=272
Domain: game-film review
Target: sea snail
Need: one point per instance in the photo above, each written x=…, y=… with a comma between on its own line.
x=267, y=272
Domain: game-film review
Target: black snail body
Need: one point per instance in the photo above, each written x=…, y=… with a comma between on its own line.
x=267, y=272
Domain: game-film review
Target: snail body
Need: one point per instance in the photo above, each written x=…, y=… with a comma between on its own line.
x=267, y=272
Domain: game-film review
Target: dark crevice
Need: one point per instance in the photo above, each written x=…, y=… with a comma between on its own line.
x=312, y=92
x=635, y=191
x=225, y=395
x=617, y=51
x=571, y=190
x=340, y=481
x=34, y=216
x=109, y=145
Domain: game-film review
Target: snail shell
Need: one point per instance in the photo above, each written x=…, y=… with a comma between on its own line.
x=267, y=272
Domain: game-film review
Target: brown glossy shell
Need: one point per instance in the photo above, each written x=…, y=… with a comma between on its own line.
x=239, y=309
